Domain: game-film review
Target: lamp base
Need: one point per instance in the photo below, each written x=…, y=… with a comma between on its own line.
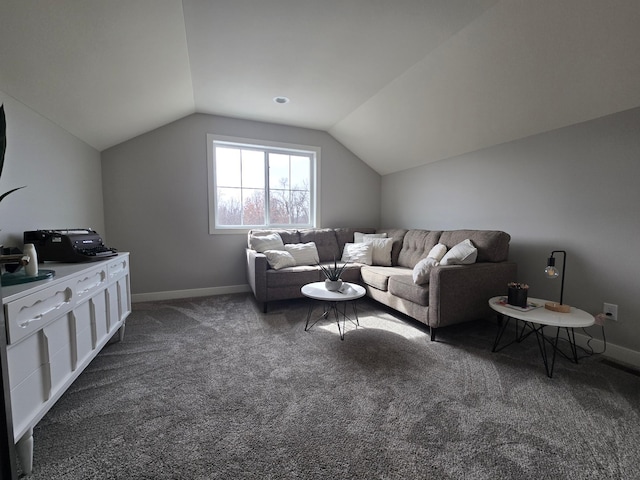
x=557, y=307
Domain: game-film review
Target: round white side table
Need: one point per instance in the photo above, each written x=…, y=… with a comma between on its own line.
x=349, y=292
x=541, y=317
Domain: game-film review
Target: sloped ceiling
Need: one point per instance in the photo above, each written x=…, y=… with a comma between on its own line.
x=400, y=83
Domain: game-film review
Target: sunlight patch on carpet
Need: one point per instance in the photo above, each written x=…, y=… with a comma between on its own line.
x=373, y=322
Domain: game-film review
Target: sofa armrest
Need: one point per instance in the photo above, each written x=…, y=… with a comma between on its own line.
x=459, y=293
x=257, y=274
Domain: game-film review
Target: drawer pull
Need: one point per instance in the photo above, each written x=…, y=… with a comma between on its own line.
x=45, y=307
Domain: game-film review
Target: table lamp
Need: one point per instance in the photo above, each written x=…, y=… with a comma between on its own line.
x=552, y=272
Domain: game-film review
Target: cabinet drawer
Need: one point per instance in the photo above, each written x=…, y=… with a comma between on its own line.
x=23, y=359
x=31, y=395
x=118, y=267
x=40, y=366
x=90, y=282
x=31, y=313
x=89, y=330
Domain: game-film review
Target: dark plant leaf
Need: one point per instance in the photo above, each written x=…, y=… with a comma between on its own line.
x=3, y=137
x=3, y=147
x=9, y=192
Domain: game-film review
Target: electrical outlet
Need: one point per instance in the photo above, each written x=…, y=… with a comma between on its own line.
x=611, y=311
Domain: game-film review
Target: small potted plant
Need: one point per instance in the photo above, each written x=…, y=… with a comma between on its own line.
x=333, y=282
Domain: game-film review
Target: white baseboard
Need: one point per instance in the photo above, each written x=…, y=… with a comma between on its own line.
x=621, y=355
x=196, y=292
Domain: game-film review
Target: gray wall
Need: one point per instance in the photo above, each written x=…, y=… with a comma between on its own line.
x=155, y=195
x=62, y=174
x=574, y=189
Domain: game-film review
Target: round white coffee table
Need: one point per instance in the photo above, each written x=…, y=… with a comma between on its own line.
x=542, y=317
x=349, y=292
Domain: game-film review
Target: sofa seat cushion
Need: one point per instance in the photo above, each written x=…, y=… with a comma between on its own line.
x=404, y=287
x=351, y=273
x=293, y=276
x=378, y=277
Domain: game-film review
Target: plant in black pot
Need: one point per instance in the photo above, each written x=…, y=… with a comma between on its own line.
x=333, y=282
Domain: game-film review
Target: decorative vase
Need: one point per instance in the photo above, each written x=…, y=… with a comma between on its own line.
x=31, y=268
x=333, y=285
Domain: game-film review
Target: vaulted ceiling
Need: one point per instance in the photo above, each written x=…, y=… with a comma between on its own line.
x=401, y=83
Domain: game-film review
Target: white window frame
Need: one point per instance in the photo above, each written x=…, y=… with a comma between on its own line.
x=314, y=204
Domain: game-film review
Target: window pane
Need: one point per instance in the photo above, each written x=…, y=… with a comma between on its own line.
x=300, y=207
x=252, y=169
x=253, y=207
x=300, y=171
x=279, y=206
x=227, y=167
x=229, y=206
x=278, y=170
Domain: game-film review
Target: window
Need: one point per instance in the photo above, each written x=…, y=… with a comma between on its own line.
x=257, y=184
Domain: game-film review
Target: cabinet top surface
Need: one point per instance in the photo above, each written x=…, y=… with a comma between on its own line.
x=62, y=271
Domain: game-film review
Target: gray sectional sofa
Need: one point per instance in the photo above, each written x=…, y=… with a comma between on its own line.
x=453, y=294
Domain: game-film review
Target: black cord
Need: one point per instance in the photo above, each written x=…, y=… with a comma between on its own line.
x=590, y=351
x=604, y=341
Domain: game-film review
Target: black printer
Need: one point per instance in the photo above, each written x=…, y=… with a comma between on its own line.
x=69, y=245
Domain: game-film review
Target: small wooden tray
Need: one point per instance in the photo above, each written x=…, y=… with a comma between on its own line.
x=557, y=307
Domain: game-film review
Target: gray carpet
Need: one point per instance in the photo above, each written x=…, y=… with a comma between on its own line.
x=211, y=388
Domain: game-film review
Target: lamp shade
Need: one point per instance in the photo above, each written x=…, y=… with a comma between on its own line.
x=551, y=271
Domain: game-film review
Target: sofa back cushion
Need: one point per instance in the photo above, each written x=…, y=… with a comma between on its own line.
x=325, y=240
x=492, y=245
x=416, y=245
x=345, y=235
x=266, y=241
x=288, y=236
x=397, y=235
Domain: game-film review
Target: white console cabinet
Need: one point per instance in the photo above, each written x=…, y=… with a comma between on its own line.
x=55, y=327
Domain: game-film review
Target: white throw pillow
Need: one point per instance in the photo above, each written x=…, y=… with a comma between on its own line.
x=422, y=270
x=463, y=253
x=381, y=253
x=358, y=237
x=279, y=259
x=261, y=243
x=438, y=252
x=303, y=253
x=358, y=253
